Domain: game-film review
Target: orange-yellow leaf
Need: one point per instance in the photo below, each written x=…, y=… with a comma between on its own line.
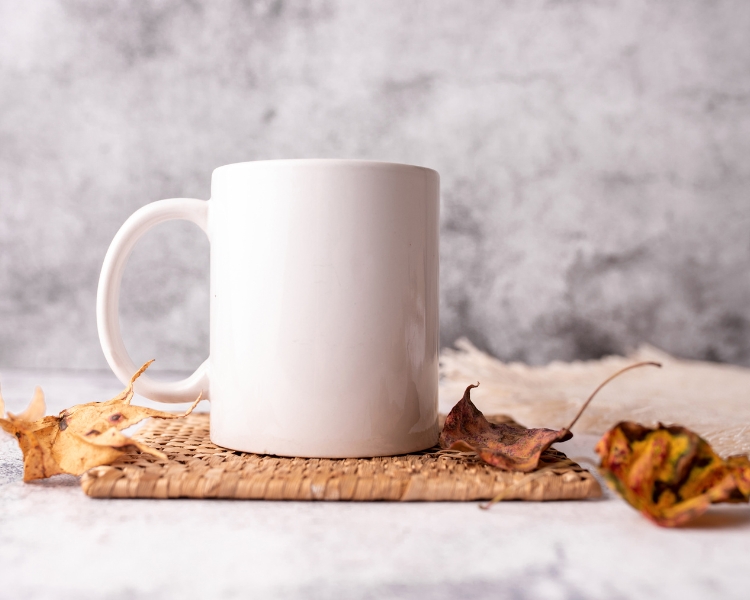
x=670, y=474
x=80, y=437
x=36, y=409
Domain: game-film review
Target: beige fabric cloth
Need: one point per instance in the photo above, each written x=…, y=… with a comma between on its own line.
x=712, y=399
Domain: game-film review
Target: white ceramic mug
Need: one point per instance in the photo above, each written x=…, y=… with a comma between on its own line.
x=324, y=307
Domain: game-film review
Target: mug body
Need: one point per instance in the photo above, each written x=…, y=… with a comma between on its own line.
x=324, y=308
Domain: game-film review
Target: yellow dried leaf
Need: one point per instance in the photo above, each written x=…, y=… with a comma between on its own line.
x=36, y=408
x=669, y=473
x=80, y=437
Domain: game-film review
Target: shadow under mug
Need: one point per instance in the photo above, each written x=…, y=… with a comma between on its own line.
x=324, y=307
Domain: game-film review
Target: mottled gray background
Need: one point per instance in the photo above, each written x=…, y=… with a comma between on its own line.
x=595, y=160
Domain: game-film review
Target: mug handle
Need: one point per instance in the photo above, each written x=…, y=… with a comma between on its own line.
x=108, y=300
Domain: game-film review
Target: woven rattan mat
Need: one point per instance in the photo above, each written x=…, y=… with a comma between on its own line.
x=198, y=469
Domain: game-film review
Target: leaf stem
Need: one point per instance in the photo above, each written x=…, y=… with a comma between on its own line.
x=605, y=382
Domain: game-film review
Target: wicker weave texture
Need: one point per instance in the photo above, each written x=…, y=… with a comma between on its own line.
x=198, y=469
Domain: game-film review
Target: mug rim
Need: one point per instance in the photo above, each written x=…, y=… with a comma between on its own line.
x=322, y=162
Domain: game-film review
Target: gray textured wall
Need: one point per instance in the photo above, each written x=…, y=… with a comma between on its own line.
x=595, y=160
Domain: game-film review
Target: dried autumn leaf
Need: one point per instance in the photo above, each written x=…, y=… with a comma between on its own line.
x=80, y=437
x=508, y=446
x=740, y=466
x=34, y=411
x=670, y=474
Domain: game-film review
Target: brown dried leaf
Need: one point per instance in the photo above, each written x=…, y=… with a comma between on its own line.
x=508, y=446
x=80, y=437
x=670, y=474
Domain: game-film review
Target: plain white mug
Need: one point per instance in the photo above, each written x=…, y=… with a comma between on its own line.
x=324, y=307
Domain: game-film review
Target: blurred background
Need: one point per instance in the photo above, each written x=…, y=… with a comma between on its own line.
x=594, y=156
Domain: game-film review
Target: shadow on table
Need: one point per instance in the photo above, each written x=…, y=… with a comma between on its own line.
x=722, y=517
x=57, y=481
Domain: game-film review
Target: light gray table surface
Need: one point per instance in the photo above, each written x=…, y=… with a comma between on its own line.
x=57, y=543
